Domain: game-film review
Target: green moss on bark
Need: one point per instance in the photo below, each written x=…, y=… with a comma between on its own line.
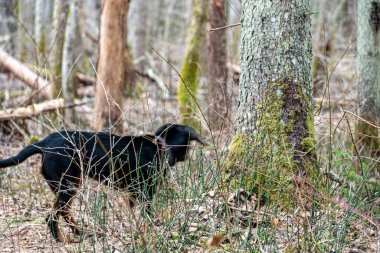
x=187, y=92
x=270, y=157
x=188, y=83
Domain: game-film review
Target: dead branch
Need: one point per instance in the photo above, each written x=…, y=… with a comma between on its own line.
x=35, y=109
x=23, y=73
x=149, y=73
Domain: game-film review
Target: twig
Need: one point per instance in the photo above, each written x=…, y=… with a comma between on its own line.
x=223, y=27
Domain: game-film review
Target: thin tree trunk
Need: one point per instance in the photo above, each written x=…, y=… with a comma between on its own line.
x=25, y=22
x=217, y=64
x=69, y=67
x=188, y=84
x=275, y=127
x=39, y=26
x=61, y=9
x=138, y=21
x=369, y=74
x=111, y=66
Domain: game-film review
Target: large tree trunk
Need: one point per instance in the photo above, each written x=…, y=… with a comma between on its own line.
x=275, y=130
x=138, y=21
x=61, y=9
x=368, y=74
x=111, y=66
x=188, y=84
x=217, y=64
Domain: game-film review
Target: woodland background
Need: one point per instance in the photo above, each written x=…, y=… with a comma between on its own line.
x=58, y=42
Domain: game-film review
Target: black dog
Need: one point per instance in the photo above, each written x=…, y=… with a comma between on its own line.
x=133, y=163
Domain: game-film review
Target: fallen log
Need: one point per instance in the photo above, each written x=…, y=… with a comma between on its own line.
x=35, y=109
x=20, y=71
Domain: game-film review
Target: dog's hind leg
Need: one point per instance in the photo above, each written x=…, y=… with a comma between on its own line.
x=67, y=215
x=53, y=222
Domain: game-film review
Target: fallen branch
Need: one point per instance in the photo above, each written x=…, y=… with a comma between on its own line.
x=149, y=73
x=19, y=70
x=223, y=27
x=36, y=109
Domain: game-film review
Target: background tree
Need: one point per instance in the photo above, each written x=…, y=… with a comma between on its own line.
x=368, y=69
x=40, y=23
x=275, y=130
x=111, y=66
x=61, y=9
x=25, y=22
x=188, y=85
x=137, y=33
x=217, y=64
x=70, y=56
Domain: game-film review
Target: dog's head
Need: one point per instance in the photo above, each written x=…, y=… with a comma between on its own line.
x=177, y=139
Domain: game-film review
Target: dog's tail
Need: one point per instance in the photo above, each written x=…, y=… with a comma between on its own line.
x=22, y=156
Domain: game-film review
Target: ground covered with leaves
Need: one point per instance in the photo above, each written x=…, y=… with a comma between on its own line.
x=197, y=208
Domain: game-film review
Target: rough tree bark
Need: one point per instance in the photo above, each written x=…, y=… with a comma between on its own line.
x=368, y=68
x=275, y=128
x=217, y=64
x=188, y=84
x=61, y=9
x=111, y=66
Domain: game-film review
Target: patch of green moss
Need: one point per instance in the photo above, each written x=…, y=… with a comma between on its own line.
x=239, y=148
x=268, y=159
x=308, y=144
x=188, y=89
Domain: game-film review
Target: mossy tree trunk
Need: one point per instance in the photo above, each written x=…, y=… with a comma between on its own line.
x=368, y=74
x=274, y=142
x=188, y=83
x=61, y=9
x=111, y=66
x=217, y=64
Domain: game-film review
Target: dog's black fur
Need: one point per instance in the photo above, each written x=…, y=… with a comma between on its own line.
x=132, y=163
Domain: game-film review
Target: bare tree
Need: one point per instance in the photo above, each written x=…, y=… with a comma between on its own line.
x=111, y=66
x=24, y=46
x=61, y=9
x=40, y=25
x=217, y=64
x=137, y=32
x=70, y=56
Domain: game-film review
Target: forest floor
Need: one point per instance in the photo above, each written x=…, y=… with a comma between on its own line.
x=191, y=208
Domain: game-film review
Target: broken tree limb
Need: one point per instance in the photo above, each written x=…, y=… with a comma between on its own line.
x=154, y=77
x=36, y=109
x=20, y=71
